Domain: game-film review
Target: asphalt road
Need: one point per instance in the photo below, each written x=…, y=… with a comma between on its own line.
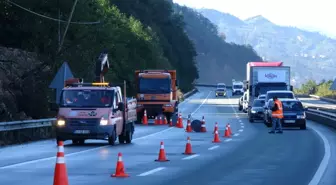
x=251, y=156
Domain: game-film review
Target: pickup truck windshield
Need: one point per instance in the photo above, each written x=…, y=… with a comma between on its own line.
x=292, y=106
x=221, y=86
x=154, y=85
x=237, y=86
x=87, y=98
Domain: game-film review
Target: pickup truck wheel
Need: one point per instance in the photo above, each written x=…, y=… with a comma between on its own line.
x=112, y=138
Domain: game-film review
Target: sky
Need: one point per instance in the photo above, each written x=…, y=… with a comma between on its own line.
x=311, y=14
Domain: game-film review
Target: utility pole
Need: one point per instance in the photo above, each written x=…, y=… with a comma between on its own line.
x=67, y=26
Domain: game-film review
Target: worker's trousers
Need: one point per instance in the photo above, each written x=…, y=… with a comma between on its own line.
x=275, y=122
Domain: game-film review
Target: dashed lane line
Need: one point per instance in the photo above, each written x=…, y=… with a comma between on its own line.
x=191, y=157
x=227, y=140
x=151, y=171
x=236, y=134
x=213, y=147
x=240, y=130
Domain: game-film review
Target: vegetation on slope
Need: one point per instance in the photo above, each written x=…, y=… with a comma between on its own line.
x=153, y=40
x=321, y=89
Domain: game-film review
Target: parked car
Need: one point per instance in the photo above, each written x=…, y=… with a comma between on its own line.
x=240, y=103
x=294, y=114
x=256, y=112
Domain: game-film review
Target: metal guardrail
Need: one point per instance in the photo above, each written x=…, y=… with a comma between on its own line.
x=209, y=85
x=322, y=117
x=18, y=125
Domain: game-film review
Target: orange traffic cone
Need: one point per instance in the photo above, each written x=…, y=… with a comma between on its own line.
x=216, y=127
x=203, y=128
x=120, y=169
x=145, y=119
x=226, y=133
x=165, y=121
x=188, y=129
x=160, y=120
x=60, y=174
x=156, y=121
x=229, y=128
x=171, y=122
x=216, y=138
x=162, y=154
x=188, y=150
x=179, y=122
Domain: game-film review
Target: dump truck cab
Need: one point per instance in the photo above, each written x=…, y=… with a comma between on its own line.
x=156, y=93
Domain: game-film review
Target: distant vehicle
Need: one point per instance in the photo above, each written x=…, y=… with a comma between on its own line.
x=221, y=89
x=294, y=114
x=237, y=87
x=240, y=103
x=245, y=102
x=256, y=111
x=262, y=97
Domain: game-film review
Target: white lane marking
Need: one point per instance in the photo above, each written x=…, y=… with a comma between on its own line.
x=201, y=104
x=241, y=123
x=236, y=134
x=227, y=140
x=213, y=147
x=240, y=130
x=152, y=171
x=324, y=163
x=191, y=157
x=242, y=126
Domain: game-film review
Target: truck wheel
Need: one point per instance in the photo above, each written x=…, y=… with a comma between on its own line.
x=121, y=139
x=303, y=127
x=240, y=108
x=139, y=118
x=251, y=120
x=113, y=137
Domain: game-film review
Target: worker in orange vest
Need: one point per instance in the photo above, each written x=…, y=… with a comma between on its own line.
x=277, y=115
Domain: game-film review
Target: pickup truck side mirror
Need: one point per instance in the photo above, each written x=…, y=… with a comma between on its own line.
x=121, y=106
x=53, y=106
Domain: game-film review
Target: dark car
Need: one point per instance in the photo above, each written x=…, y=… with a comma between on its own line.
x=294, y=114
x=256, y=112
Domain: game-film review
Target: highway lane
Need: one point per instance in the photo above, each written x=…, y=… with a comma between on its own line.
x=251, y=156
x=312, y=102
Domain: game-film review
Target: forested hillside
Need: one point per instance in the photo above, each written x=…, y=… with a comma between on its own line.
x=218, y=61
x=152, y=38
x=35, y=40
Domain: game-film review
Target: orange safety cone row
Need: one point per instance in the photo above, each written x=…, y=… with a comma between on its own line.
x=189, y=129
x=226, y=133
x=156, y=121
x=145, y=119
x=229, y=128
x=216, y=138
x=60, y=174
x=215, y=128
x=179, y=122
x=120, y=169
x=203, y=128
x=188, y=150
x=162, y=154
x=165, y=121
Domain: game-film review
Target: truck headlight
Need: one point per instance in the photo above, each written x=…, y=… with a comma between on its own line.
x=253, y=111
x=103, y=121
x=60, y=122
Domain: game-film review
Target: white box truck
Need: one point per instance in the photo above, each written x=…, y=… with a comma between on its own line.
x=265, y=76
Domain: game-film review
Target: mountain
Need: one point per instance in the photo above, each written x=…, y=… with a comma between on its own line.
x=311, y=55
x=217, y=60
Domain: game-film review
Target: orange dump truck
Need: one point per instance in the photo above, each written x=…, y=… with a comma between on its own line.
x=156, y=93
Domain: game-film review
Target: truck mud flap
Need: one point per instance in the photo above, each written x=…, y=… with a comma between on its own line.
x=196, y=125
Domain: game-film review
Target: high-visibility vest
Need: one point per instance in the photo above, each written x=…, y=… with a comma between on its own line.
x=278, y=113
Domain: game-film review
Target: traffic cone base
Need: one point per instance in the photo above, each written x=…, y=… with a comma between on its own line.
x=60, y=173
